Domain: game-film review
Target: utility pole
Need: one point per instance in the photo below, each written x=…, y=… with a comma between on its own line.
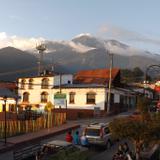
x=60, y=83
x=40, y=48
x=5, y=120
x=110, y=83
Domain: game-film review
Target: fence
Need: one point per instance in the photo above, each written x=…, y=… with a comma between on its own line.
x=15, y=127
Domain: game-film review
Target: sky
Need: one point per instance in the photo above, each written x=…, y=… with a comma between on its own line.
x=133, y=22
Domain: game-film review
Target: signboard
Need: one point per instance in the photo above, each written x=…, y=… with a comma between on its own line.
x=60, y=99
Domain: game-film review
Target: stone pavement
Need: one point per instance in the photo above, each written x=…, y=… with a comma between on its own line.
x=18, y=141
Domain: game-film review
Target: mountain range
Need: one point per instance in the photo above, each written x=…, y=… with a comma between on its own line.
x=82, y=52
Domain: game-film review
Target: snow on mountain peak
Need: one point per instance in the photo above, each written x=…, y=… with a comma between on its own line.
x=83, y=34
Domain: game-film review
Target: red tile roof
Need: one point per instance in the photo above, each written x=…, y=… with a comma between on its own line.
x=97, y=76
x=8, y=85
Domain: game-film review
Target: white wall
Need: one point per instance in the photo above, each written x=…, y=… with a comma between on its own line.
x=80, y=97
x=8, y=102
x=34, y=94
x=64, y=79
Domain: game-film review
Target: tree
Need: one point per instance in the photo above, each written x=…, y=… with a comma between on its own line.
x=141, y=130
x=137, y=72
x=143, y=107
x=135, y=75
x=132, y=129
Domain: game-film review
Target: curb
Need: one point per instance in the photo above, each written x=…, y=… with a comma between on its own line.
x=35, y=140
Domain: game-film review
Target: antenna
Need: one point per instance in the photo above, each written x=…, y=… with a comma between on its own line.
x=52, y=68
x=40, y=48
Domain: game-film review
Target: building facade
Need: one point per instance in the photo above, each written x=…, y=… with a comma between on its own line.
x=85, y=94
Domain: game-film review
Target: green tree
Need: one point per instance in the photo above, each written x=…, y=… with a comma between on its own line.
x=139, y=130
x=133, y=129
x=143, y=107
x=137, y=72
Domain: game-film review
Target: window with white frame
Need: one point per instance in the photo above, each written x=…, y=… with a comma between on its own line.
x=30, y=84
x=25, y=97
x=91, y=98
x=22, y=83
x=44, y=97
x=45, y=83
x=72, y=97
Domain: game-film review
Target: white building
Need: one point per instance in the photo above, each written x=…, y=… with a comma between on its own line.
x=85, y=93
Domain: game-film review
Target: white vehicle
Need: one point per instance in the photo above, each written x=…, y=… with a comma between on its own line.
x=99, y=134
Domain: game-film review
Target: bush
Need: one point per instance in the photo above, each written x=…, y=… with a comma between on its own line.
x=69, y=155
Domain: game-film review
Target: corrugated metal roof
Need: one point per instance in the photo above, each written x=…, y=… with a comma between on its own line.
x=81, y=86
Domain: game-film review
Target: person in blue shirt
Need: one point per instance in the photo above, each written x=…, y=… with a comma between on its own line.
x=76, y=139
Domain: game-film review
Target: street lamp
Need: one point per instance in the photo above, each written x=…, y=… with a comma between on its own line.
x=5, y=125
x=16, y=99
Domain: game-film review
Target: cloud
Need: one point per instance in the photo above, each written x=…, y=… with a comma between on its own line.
x=31, y=43
x=79, y=47
x=19, y=42
x=122, y=50
x=124, y=34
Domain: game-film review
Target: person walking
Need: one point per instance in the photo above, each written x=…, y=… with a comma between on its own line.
x=125, y=148
x=69, y=137
x=76, y=138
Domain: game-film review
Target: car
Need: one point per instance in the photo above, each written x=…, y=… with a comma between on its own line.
x=99, y=134
x=57, y=148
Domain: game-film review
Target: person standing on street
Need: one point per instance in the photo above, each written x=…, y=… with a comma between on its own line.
x=84, y=140
x=76, y=138
x=69, y=137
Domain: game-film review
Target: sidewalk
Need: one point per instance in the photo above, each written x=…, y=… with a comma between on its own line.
x=18, y=141
x=36, y=137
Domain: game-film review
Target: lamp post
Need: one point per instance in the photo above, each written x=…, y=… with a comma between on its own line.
x=16, y=99
x=5, y=125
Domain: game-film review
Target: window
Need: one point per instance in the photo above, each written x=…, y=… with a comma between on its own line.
x=44, y=97
x=25, y=97
x=112, y=98
x=4, y=107
x=23, y=83
x=72, y=97
x=121, y=99
x=91, y=98
x=45, y=83
x=11, y=107
x=30, y=85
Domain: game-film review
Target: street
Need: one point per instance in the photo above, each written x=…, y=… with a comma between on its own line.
x=96, y=153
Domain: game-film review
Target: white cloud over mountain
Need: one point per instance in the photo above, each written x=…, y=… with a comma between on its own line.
x=30, y=43
x=124, y=34
x=18, y=42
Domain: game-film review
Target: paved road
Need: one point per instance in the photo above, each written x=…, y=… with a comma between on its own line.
x=100, y=155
